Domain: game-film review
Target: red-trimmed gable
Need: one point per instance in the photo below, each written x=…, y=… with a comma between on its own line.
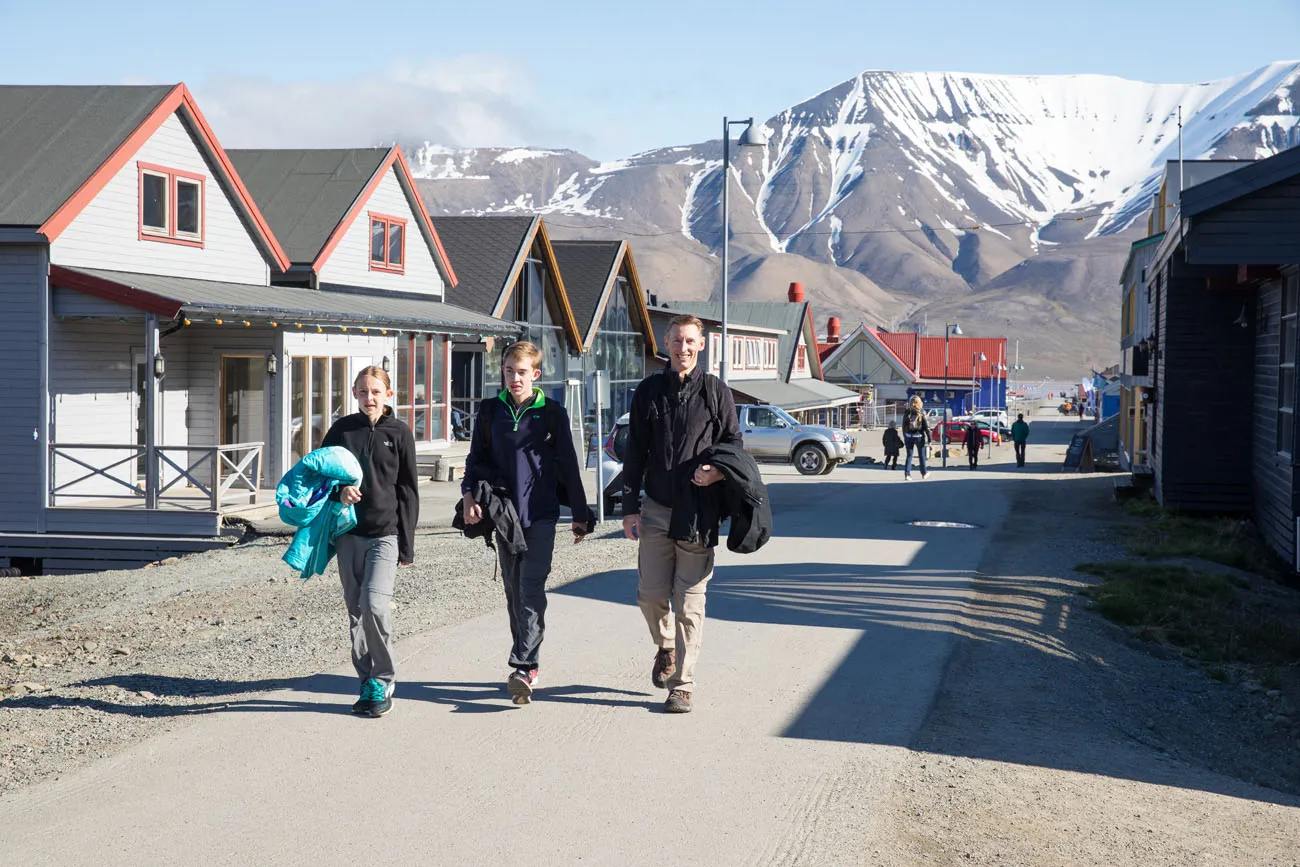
x=903, y=344
x=961, y=350
x=178, y=99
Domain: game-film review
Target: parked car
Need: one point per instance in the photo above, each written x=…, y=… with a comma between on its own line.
x=956, y=432
x=611, y=465
x=772, y=434
x=995, y=416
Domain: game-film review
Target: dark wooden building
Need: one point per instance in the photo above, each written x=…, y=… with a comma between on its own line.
x=1226, y=279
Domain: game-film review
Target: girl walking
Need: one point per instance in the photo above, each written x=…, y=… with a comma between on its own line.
x=387, y=506
x=893, y=445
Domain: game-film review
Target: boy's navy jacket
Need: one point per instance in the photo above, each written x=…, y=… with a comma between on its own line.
x=390, y=497
x=741, y=496
x=530, y=453
x=306, y=501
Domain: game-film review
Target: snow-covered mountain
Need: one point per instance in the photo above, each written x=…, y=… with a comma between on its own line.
x=904, y=190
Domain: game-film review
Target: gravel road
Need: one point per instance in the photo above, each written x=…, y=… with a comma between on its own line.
x=89, y=663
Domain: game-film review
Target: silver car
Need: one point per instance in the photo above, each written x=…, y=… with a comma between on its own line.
x=772, y=434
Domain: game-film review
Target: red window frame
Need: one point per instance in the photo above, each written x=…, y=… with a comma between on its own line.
x=171, y=235
x=389, y=221
x=406, y=411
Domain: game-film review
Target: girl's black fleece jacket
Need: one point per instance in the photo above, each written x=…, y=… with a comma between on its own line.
x=390, y=497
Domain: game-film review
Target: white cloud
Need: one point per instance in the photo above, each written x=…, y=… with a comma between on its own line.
x=476, y=100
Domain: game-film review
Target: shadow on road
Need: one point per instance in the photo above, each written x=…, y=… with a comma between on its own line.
x=1004, y=662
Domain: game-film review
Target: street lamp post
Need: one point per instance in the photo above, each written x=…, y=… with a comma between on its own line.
x=948, y=330
x=749, y=137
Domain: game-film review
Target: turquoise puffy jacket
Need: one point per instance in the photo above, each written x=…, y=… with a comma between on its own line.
x=303, y=496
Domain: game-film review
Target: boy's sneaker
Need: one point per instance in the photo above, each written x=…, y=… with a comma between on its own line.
x=665, y=667
x=381, y=701
x=679, y=701
x=521, y=683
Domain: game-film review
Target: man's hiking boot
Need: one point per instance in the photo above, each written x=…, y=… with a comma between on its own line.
x=521, y=683
x=379, y=695
x=665, y=667
x=679, y=701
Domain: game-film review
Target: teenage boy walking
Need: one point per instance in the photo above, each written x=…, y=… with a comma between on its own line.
x=522, y=444
x=677, y=416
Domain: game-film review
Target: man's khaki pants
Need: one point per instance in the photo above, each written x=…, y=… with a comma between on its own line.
x=676, y=572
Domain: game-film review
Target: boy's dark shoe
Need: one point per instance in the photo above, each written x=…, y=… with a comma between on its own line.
x=521, y=684
x=665, y=667
x=679, y=701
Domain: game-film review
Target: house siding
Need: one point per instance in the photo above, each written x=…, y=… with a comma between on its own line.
x=106, y=232
x=1273, y=473
x=349, y=263
x=1261, y=228
x=1198, y=415
x=23, y=274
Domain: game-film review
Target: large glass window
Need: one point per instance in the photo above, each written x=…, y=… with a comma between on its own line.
x=1286, y=374
x=422, y=384
x=618, y=348
x=319, y=395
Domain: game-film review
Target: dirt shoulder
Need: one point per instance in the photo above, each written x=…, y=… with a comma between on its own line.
x=91, y=663
x=1064, y=740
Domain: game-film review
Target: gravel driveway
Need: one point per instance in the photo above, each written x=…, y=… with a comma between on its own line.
x=89, y=663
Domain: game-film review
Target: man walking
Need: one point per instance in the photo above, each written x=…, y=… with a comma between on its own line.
x=676, y=417
x=1020, y=436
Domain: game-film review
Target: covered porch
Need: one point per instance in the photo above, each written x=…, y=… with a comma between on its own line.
x=177, y=402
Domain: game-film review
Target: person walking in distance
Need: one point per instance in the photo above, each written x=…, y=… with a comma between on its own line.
x=388, y=507
x=677, y=415
x=893, y=444
x=1020, y=437
x=974, y=442
x=522, y=443
x=916, y=433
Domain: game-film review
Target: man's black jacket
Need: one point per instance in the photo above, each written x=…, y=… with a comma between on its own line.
x=498, y=514
x=672, y=422
x=741, y=496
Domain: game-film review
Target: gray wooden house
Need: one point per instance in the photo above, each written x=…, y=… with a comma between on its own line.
x=506, y=269
x=1226, y=298
x=173, y=379
x=609, y=306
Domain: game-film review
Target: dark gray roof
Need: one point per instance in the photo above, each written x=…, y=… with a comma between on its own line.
x=483, y=252
x=305, y=194
x=586, y=268
x=787, y=316
x=380, y=310
x=797, y=394
x=1250, y=177
x=52, y=139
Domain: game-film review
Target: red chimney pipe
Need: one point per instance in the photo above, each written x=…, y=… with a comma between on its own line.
x=833, y=330
x=796, y=293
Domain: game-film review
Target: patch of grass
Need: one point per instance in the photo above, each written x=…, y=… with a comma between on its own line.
x=1234, y=542
x=1216, y=619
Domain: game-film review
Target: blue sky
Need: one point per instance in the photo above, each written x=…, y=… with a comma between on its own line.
x=607, y=78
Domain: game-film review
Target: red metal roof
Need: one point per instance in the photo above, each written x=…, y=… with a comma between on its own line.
x=960, y=352
x=902, y=344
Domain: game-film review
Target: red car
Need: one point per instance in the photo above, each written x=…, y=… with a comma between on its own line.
x=957, y=432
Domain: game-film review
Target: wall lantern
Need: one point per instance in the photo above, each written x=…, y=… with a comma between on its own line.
x=385, y=364
x=272, y=363
x=159, y=366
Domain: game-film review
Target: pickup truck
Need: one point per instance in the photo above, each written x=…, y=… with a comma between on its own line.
x=771, y=434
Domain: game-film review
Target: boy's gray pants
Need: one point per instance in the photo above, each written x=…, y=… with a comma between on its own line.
x=368, y=569
x=524, y=576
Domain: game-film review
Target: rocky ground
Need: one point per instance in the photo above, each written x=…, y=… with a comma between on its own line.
x=89, y=663
x=1062, y=739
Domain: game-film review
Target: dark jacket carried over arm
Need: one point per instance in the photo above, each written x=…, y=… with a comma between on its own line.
x=671, y=425
x=498, y=514
x=390, y=496
x=744, y=499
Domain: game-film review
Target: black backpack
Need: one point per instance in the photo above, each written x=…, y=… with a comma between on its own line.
x=912, y=422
